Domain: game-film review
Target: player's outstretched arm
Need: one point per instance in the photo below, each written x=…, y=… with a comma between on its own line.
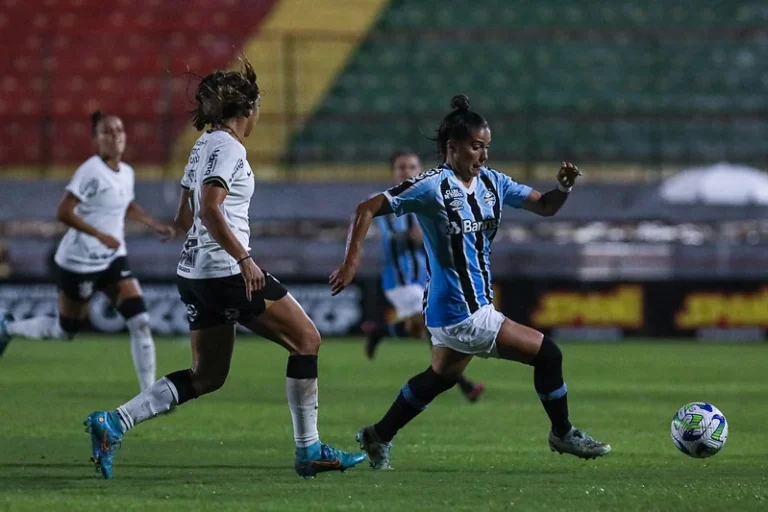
x=549, y=203
x=137, y=214
x=66, y=214
x=358, y=228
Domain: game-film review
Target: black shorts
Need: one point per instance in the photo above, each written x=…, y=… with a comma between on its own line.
x=81, y=286
x=222, y=300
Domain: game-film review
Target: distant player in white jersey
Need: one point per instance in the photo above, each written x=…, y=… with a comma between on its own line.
x=92, y=256
x=222, y=286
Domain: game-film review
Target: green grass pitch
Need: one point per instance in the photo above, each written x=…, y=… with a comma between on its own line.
x=233, y=450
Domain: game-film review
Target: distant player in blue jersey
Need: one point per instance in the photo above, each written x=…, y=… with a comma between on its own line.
x=458, y=206
x=406, y=273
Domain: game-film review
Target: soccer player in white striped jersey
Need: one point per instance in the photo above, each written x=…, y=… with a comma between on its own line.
x=222, y=286
x=92, y=255
x=459, y=205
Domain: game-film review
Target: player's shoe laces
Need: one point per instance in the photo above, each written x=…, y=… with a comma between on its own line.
x=473, y=395
x=578, y=443
x=5, y=338
x=320, y=458
x=372, y=338
x=378, y=451
x=106, y=438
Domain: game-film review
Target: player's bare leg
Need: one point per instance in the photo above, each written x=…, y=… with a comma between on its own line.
x=516, y=342
x=286, y=323
x=72, y=314
x=446, y=367
x=127, y=298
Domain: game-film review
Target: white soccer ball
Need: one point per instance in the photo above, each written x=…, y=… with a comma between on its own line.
x=699, y=430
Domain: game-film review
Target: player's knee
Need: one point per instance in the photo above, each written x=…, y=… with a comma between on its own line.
x=308, y=340
x=549, y=353
x=70, y=326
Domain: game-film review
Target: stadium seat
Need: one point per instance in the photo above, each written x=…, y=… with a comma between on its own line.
x=66, y=58
x=518, y=60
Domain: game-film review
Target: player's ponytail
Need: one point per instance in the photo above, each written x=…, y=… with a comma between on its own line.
x=458, y=125
x=209, y=102
x=223, y=95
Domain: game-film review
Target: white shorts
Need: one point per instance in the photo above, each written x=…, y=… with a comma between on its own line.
x=406, y=300
x=476, y=335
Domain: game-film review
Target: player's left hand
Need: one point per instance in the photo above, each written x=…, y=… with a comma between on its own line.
x=567, y=174
x=340, y=278
x=165, y=231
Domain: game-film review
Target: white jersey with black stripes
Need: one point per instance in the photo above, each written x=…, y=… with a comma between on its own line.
x=216, y=157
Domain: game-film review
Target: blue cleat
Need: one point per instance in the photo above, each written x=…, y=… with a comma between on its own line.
x=5, y=338
x=106, y=438
x=320, y=458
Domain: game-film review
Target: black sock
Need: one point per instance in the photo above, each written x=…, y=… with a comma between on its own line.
x=549, y=384
x=465, y=384
x=413, y=398
x=301, y=367
x=182, y=381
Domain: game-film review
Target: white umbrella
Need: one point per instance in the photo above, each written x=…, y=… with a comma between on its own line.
x=720, y=184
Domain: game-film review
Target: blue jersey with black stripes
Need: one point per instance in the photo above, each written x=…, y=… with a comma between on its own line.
x=459, y=224
x=405, y=261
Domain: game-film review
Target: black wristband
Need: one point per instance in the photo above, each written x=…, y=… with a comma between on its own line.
x=243, y=259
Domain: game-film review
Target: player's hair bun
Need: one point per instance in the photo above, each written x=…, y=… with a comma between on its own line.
x=460, y=102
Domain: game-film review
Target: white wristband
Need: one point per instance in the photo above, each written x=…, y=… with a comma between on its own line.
x=564, y=189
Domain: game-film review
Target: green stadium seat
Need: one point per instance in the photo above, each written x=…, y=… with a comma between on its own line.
x=616, y=92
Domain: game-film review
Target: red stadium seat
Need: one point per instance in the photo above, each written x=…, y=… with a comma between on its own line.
x=65, y=58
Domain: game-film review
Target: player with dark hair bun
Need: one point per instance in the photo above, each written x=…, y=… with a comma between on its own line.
x=222, y=286
x=92, y=255
x=458, y=205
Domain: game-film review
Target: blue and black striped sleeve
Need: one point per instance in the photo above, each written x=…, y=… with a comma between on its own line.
x=414, y=195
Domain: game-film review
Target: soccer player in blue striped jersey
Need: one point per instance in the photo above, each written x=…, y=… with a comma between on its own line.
x=459, y=206
x=406, y=273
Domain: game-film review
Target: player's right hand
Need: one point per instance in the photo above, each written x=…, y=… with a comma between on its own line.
x=252, y=275
x=109, y=241
x=341, y=278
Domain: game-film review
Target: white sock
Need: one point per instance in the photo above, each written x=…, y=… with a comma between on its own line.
x=142, y=349
x=158, y=398
x=38, y=327
x=302, y=399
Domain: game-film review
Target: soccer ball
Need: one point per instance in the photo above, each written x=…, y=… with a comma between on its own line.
x=699, y=430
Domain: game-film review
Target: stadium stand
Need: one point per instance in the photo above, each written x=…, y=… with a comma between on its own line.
x=635, y=81
x=61, y=60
